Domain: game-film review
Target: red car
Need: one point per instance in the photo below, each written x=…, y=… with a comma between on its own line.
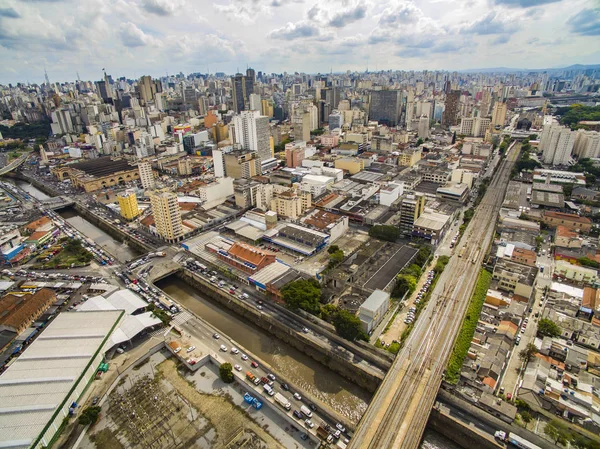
x=254, y=365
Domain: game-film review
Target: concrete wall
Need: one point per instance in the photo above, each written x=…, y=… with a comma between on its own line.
x=297, y=340
x=461, y=434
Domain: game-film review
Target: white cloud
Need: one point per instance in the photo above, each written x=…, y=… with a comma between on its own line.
x=163, y=7
x=132, y=36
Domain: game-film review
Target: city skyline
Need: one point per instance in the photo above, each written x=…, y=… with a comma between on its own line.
x=133, y=38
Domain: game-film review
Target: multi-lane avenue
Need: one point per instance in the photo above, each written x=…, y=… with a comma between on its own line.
x=397, y=416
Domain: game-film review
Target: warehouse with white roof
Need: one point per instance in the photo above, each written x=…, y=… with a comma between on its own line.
x=38, y=389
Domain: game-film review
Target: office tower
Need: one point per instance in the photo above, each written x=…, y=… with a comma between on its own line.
x=255, y=102
x=384, y=106
x=62, y=122
x=184, y=167
x=238, y=92
x=242, y=164
x=146, y=175
x=267, y=108
x=147, y=89
x=474, y=126
x=105, y=89
x=167, y=215
x=332, y=97
x=485, y=103
x=556, y=144
x=423, y=127
x=499, y=114
x=251, y=132
x=450, y=115
x=411, y=209
x=128, y=205
x=336, y=120
x=190, y=95
x=301, y=124
x=250, y=80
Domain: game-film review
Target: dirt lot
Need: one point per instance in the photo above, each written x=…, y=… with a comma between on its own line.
x=153, y=406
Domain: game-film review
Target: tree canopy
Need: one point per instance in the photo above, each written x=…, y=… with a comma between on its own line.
x=348, y=325
x=528, y=353
x=303, y=294
x=548, y=328
x=385, y=232
x=89, y=415
x=226, y=372
x=572, y=115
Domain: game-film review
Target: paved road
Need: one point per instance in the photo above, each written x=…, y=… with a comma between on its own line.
x=399, y=411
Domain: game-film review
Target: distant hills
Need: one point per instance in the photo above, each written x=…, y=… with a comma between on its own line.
x=513, y=70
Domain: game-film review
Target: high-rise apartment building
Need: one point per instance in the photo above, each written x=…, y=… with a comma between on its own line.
x=146, y=175
x=587, y=144
x=336, y=120
x=384, y=106
x=423, y=127
x=184, y=167
x=474, y=126
x=255, y=102
x=301, y=123
x=242, y=164
x=267, y=108
x=411, y=209
x=147, y=88
x=251, y=132
x=499, y=114
x=128, y=205
x=167, y=215
x=294, y=153
x=451, y=105
x=557, y=143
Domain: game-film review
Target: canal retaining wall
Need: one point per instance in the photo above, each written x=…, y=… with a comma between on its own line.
x=460, y=433
x=333, y=360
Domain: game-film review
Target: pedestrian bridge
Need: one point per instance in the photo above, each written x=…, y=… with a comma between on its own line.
x=13, y=165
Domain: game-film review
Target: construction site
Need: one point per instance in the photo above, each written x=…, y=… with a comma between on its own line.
x=156, y=404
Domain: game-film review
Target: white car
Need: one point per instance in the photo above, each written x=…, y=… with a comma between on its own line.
x=297, y=397
x=177, y=350
x=235, y=350
x=340, y=427
x=191, y=348
x=223, y=348
x=309, y=424
x=237, y=367
x=244, y=357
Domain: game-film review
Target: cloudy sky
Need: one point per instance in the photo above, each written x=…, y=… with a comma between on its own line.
x=136, y=37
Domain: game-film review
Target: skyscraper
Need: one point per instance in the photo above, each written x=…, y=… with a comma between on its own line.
x=499, y=114
x=238, y=92
x=450, y=115
x=167, y=215
x=384, y=106
x=557, y=144
x=146, y=175
x=147, y=89
x=251, y=132
x=250, y=78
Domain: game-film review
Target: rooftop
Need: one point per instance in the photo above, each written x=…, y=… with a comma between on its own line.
x=39, y=383
x=104, y=166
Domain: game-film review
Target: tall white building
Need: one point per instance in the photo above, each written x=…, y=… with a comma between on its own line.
x=146, y=175
x=474, y=126
x=587, y=144
x=216, y=192
x=218, y=163
x=423, y=127
x=557, y=143
x=251, y=132
x=255, y=102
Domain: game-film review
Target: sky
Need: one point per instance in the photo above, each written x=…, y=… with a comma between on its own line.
x=153, y=37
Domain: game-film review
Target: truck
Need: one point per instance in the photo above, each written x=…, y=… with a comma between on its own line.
x=304, y=409
x=282, y=400
x=322, y=433
x=250, y=376
x=268, y=390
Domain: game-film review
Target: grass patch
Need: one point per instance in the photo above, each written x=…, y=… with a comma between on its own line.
x=463, y=342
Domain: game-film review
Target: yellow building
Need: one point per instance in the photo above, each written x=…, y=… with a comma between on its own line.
x=351, y=164
x=167, y=215
x=267, y=108
x=291, y=203
x=129, y=205
x=409, y=157
x=98, y=173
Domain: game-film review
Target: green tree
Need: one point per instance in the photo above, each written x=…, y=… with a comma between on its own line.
x=568, y=190
x=441, y=264
x=580, y=442
x=348, y=325
x=528, y=353
x=336, y=258
x=548, y=328
x=332, y=249
x=385, y=232
x=413, y=270
x=587, y=262
x=558, y=431
x=328, y=311
x=226, y=372
x=526, y=417
x=404, y=283
x=422, y=256
x=303, y=294
x=89, y=415
x=419, y=141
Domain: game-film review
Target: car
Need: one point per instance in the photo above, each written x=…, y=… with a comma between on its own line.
x=216, y=336
x=244, y=357
x=297, y=397
x=337, y=434
x=308, y=423
x=340, y=427
x=254, y=365
x=177, y=349
x=271, y=376
x=522, y=330
x=305, y=330
x=235, y=350
x=312, y=406
x=285, y=387
x=501, y=390
x=95, y=400
x=223, y=348
x=237, y=367
x=298, y=414
x=259, y=307
x=304, y=436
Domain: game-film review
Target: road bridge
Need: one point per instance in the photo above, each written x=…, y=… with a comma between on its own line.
x=13, y=165
x=57, y=202
x=398, y=414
